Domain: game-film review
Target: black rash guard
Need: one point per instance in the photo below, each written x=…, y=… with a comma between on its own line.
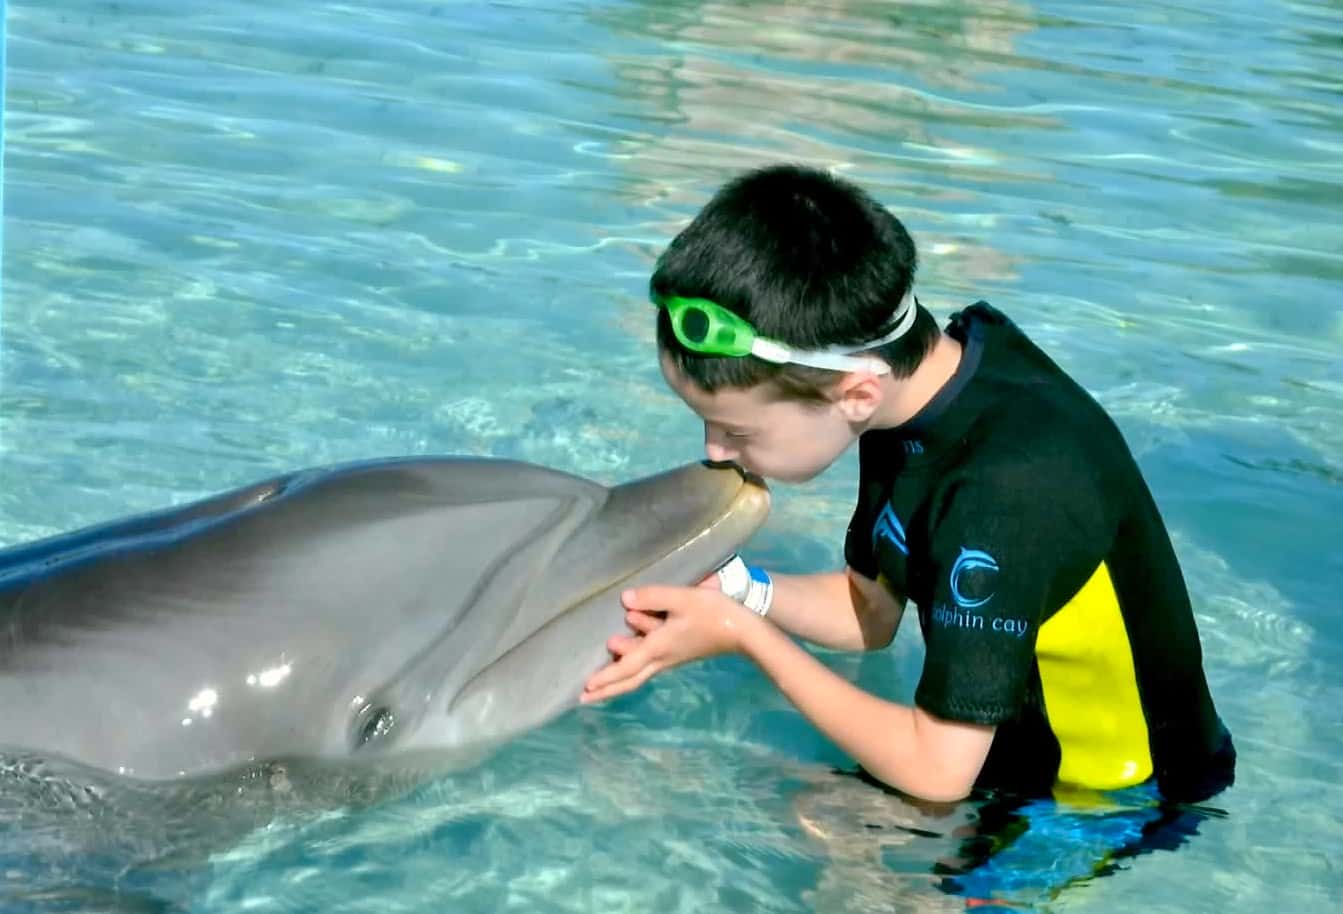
x=1012, y=513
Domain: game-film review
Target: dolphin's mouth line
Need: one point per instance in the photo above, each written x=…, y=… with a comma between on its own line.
x=732, y=504
x=376, y=715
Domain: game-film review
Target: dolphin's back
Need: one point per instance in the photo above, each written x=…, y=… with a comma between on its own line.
x=215, y=633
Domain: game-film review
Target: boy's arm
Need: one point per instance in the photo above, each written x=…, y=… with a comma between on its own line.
x=842, y=610
x=903, y=746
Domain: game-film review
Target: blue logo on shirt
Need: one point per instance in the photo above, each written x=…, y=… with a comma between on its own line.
x=973, y=576
x=888, y=528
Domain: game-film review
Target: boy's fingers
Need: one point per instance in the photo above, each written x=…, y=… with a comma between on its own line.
x=640, y=598
x=629, y=664
x=657, y=598
x=591, y=695
x=642, y=622
x=620, y=645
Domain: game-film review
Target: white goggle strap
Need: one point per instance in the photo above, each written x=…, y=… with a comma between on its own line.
x=840, y=358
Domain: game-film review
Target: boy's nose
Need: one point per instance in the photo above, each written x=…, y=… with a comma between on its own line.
x=715, y=449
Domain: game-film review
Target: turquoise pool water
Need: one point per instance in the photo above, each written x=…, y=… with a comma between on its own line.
x=244, y=237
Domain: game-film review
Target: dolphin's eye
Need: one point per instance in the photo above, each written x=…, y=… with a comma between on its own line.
x=373, y=723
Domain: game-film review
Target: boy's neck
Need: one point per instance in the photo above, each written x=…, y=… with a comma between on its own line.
x=904, y=397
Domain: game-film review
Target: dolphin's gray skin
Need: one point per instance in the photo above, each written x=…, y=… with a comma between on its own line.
x=366, y=611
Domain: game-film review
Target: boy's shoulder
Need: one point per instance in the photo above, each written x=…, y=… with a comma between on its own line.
x=1028, y=412
x=1028, y=438
x=1011, y=424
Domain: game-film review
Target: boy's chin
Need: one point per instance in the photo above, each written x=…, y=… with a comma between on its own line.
x=797, y=477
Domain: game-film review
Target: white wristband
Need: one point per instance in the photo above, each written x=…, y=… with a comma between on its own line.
x=748, y=585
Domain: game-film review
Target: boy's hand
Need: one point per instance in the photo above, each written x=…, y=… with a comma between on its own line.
x=700, y=622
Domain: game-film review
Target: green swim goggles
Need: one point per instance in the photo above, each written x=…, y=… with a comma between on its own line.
x=708, y=328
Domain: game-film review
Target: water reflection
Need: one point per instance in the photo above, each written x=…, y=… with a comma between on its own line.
x=853, y=86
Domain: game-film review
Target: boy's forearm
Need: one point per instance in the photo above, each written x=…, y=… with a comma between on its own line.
x=895, y=742
x=823, y=609
x=818, y=608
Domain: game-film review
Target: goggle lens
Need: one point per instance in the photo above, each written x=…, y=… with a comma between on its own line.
x=695, y=325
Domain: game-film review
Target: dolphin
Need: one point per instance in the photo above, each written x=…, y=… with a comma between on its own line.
x=349, y=615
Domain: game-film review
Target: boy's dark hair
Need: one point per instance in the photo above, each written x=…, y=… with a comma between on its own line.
x=809, y=260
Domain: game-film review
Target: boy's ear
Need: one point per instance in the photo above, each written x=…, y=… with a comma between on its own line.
x=857, y=395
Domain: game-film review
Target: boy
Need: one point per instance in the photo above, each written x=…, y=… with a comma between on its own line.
x=994, y=492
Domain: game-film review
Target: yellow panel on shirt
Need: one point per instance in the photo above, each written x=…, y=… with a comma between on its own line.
x=1091, y=692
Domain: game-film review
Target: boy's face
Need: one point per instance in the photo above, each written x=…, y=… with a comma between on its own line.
x=786, y=440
